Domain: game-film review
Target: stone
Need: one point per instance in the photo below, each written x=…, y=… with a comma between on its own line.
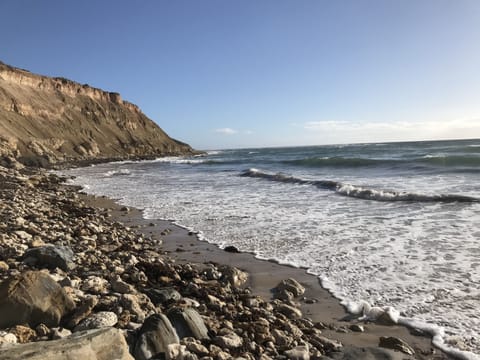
x=7, y=339
x=122, y=287
x=298, y=353
x=42, y=330
x=289, y=311
x=356, y=328
x=188, y=323
x=390, y=342
x=82, y=311
x=230, y=340
x=326, y=343
x=3, y=266
x=95, y=285
x=290, y=285
x=98, y=320
x=154, y=337
x=231, y=249
x=234, y=276
x=163, y=295
x=60, y=333
x=24, y=334
x=50, y=256
x=32, y=298
x=98, y=344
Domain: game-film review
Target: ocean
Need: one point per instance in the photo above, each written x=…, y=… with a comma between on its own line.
x=388, y=224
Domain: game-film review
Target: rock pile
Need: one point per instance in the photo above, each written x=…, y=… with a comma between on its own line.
x=72, y=280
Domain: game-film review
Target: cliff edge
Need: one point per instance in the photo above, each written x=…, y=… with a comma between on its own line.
x=46, y=121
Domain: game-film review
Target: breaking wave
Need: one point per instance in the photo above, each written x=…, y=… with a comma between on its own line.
x=358, y=191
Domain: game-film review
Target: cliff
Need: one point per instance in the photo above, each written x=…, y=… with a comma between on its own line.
x=46, y=121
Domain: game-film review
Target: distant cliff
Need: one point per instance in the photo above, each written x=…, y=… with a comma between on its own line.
x=45, y=121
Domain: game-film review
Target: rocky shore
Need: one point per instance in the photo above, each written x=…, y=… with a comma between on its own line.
x=76, y=283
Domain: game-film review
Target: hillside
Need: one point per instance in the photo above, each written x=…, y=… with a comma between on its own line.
x=46, y=121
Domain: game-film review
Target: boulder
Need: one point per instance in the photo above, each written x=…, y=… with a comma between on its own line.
x=32, y=298
x=50, y=256
x=290, y=285
x=163, y=295
x=188, y=323
x=98, y=344
x=154, y=337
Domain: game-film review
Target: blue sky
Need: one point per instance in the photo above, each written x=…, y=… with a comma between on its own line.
x=245, y=73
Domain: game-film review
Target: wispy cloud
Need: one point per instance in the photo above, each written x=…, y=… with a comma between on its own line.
x=394, y=130
x=226, y=131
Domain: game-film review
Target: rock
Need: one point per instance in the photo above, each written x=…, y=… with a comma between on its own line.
x=95, y=285
x=289, y=311
x=7, y=339
x=230, y=340
x=42, y=330
x=3, y=266
x=32, y=298
x=198, y=349
x=98, y=320
x=390, y=342
x=327, y=344
x=23, y=333
x=290, y=285
x=122, y=287
x=50, y=257
x=82, y=311
x=138, y=305
x=60, y=333
x=154, y=337
x=356, y=328
x=163, y=295
x=233, y=276
x=298, y=353
x=231, y=249
x=98, y=344
x=188, y=323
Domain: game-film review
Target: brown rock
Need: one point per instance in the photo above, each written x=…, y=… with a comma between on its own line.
x=32, y=298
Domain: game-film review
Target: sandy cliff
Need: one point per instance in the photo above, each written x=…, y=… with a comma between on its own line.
x=46, y=120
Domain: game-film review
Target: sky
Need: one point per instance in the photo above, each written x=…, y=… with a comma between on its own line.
x=255, y=73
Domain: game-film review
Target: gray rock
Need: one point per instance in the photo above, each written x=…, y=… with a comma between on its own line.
x=98, y=320
x=188, y=323
x=290, y=285
x=32, y=298
x=163, y=295
x=233, y=276
x=298, y=353
x=99, y=344
x=154, y=337
x=289, y=311
x=394, y=343
x=50, y=256
x=229, y=340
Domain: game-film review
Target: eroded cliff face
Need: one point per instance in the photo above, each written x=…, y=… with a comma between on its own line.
x=45, y=121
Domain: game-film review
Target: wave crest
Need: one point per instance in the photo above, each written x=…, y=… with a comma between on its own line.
x=358, y=191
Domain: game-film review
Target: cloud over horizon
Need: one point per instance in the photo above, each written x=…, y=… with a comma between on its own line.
x=226, y=131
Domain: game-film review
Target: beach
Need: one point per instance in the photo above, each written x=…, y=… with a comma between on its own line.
x=112, y=269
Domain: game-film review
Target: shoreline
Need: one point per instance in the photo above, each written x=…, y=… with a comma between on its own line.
x=318, y=304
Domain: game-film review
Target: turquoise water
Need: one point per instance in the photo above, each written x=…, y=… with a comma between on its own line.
x=392, y=224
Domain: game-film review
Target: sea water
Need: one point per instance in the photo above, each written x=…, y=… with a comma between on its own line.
x=390, y=224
